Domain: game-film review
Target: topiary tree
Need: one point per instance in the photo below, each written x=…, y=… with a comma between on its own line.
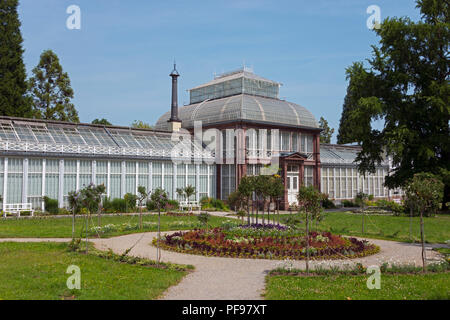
x=142, y=196
x=310, y=201
x=160, y=199
x=424, y=192
x=245, y=189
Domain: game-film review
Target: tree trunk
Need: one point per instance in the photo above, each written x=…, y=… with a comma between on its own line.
x=158, y=255
x=363, y=222
x=87, y=220
x=307, y=243
x=73, y=223
x=248, y=211
x=410, y=223
x=263, y=211
x=140, y=217
x=422, y=239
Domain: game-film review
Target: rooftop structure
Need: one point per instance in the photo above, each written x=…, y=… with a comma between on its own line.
x=45, y=137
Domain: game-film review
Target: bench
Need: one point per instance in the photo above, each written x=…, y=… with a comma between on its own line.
x=17, y=208
x=190, y=206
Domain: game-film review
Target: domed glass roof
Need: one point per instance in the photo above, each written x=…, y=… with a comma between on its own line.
x=242, y=107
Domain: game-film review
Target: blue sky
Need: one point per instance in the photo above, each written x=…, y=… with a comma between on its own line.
x=120, y=60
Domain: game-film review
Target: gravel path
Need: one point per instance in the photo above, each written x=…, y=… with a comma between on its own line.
x=217, y=278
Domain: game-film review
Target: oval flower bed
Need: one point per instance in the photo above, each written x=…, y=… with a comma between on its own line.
x=266, y=243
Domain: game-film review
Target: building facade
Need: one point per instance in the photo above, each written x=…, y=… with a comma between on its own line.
x=235, y=125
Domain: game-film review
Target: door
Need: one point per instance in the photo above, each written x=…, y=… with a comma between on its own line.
x=292, y=184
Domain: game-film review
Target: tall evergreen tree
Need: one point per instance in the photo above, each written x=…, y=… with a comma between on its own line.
x=327, y=132
x=406, y=86
x=13, y=101
x=51, y=91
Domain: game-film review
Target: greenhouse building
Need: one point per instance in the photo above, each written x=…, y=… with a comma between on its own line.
x=235, y=125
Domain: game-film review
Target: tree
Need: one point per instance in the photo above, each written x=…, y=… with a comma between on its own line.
x=310, y=200
x=276, y=191
x=345, y=132
x=13, y=85
x=261, y=188
x=425, y=192
x=204, y=218
x=246, y=189
x=189, y=191
x=327, y=132
x=139, y=124
x=50, y=90
x=102, y=122
x=142, y=196
x=160, y=199
x=405, y=86
x=88, y=198
x=360, y=200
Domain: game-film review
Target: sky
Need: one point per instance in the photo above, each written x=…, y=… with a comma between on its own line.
x=119, y=61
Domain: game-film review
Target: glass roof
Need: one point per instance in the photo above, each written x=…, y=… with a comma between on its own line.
x=50, y=134
x=243, y=107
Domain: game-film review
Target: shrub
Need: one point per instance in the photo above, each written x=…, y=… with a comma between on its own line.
x=327, y=203
x=213, y=203
x=118, y=205
x=51, y=205
x=349, y=204
x=172, y=205
x=151, y=206
x=130, y=200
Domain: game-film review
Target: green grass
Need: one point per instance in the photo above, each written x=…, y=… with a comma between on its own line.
x=38, y=271
x=62, y=227
x=437, y=229
x=344, y=287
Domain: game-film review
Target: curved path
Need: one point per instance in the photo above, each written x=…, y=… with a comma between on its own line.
x=217, y=278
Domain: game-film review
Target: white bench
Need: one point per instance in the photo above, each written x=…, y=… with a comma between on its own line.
x=190, y=205
x=17, y=208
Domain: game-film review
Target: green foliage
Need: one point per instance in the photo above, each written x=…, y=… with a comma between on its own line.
x=172, y=205
x=235, y=201
x=13, y=86
x=102, y=121
x=130, y=200
x=406, y=86
x=51, y=205
x=360, y=199
x=204, y=218
x=310, y=201
x=139, y=124
x=349, y=204
x=327, y=132
x=424, y=193
x=327, y=203
x=50, y=90
x=159, y=198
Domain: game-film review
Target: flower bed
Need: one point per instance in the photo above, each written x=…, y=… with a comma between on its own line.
x=261, y=243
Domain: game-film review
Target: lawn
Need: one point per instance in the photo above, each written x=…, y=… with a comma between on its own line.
x=437, y=229
x=345, y=287
x=62, y=227
x=38, y=271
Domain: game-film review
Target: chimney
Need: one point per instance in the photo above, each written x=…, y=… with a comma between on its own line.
x=174, y=121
